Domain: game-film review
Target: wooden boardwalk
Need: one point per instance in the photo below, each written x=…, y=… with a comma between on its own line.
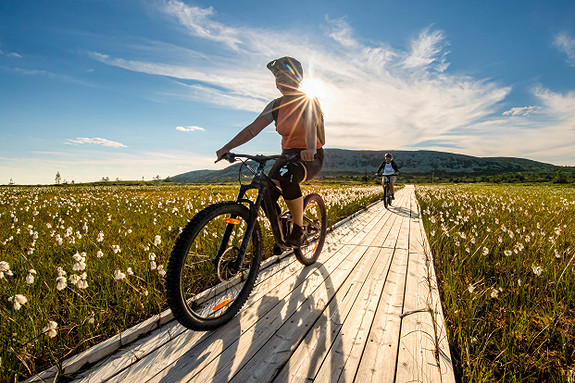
x=367, y=311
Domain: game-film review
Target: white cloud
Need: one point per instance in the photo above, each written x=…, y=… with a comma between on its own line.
x=190, y=129
x=375, y=96
x=520, y=111
x=95, y=141
x=566, y=45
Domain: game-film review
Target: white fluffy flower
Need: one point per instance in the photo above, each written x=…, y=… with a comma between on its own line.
x=536, y=270
x=61, y=283
x=82, y=283
x=100, y=237
x=157, y=240
x=5, y=269
x=51, y=329
x=118, y=275
x=18, y=301
x=30, y=276
x=161, y=271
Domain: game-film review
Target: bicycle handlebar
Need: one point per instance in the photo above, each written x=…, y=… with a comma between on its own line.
x=260, y=158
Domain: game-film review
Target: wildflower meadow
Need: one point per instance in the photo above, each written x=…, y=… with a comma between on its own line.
x=79, y=264
x=504, y=256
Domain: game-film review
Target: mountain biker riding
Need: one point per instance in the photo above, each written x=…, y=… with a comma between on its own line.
x=297, y=118
x=389, y=168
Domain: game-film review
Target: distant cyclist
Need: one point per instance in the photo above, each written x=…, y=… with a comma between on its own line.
x=388, y=168
x=300, y=123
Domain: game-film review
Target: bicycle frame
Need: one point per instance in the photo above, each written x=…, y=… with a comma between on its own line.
x=262, y=183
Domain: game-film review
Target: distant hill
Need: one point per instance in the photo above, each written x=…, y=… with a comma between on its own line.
x=345, y=164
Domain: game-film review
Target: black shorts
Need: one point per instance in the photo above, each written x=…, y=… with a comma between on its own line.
x=291, y=173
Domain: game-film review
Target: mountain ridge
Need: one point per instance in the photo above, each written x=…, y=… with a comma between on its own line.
x=343, y=163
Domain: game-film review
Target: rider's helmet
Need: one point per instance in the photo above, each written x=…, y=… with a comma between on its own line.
x=288, y=65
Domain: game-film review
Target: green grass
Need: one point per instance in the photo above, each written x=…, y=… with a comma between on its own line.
x=96, y=235
x=504, y=257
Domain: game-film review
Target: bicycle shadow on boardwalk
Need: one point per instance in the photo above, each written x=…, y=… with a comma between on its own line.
x=282, y=325
x=403, y=211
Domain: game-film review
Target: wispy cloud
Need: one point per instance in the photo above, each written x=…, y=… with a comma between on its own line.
x=566, y=45
x=190, y=129
x=375, y=96
x=95, y=141
x=520, y=111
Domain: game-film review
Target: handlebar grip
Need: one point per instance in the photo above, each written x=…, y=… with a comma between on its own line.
x=230, y=157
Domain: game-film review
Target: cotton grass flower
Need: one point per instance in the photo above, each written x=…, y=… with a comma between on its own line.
x=157, y=240
x=118, y=275
x=82, y=282
x=508, y=253
x=18, y=301
x=61, y=283
x=116, y=249
x=485, y=251
x=537, y=270
x=51, y=329
x=5, y=269
x=30, y=276
x=100, y=237
x=471, y=288
x=80, y=264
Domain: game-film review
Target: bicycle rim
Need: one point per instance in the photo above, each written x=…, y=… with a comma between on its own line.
x=315, y=226
x=203, y=288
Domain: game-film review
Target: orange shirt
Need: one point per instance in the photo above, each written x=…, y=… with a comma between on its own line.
x=291, y=125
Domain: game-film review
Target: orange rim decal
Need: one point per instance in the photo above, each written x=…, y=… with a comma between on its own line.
x=233, y=221
x=315, y=248
x=309, y=206
x=221, y=304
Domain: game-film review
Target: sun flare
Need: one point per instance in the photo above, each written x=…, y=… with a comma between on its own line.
x=313, y=87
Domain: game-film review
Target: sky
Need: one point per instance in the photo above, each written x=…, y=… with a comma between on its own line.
x=135, y=89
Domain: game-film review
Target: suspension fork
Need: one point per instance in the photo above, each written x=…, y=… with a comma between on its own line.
x=254, y=208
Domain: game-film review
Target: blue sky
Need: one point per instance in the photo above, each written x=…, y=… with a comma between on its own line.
x=131, y=89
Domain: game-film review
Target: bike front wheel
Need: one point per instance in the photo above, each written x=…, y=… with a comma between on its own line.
x=315, y=229
x=205, y=288
x=386, y=196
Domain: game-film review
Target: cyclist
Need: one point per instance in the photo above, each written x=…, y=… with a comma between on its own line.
x=297, y=119
x=389, y=167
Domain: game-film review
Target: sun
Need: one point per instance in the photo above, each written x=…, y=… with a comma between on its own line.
x=313, y=87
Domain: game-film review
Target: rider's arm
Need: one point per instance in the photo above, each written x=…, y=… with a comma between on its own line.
x=380, y=167
x=310, y=122
x=394, y=165
x=244, y=136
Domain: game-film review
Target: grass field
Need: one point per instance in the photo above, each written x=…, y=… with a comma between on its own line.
x=504, y=256
x=79, y=264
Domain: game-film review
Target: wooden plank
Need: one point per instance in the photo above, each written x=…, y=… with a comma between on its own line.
x=378, y=359
x=308, y=357
x=419, y=354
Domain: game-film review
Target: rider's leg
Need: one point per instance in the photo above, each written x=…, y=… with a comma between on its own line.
x=391, y=182
x=295, y=206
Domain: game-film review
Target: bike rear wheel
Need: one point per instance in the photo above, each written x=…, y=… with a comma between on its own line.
x=315, y=228
x=204, y=289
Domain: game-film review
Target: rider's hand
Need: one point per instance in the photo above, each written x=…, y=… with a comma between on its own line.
x=307, y=155
x=220, y=153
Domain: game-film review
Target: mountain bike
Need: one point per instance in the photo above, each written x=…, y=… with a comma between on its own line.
x=216, y=259
x=386, y=189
